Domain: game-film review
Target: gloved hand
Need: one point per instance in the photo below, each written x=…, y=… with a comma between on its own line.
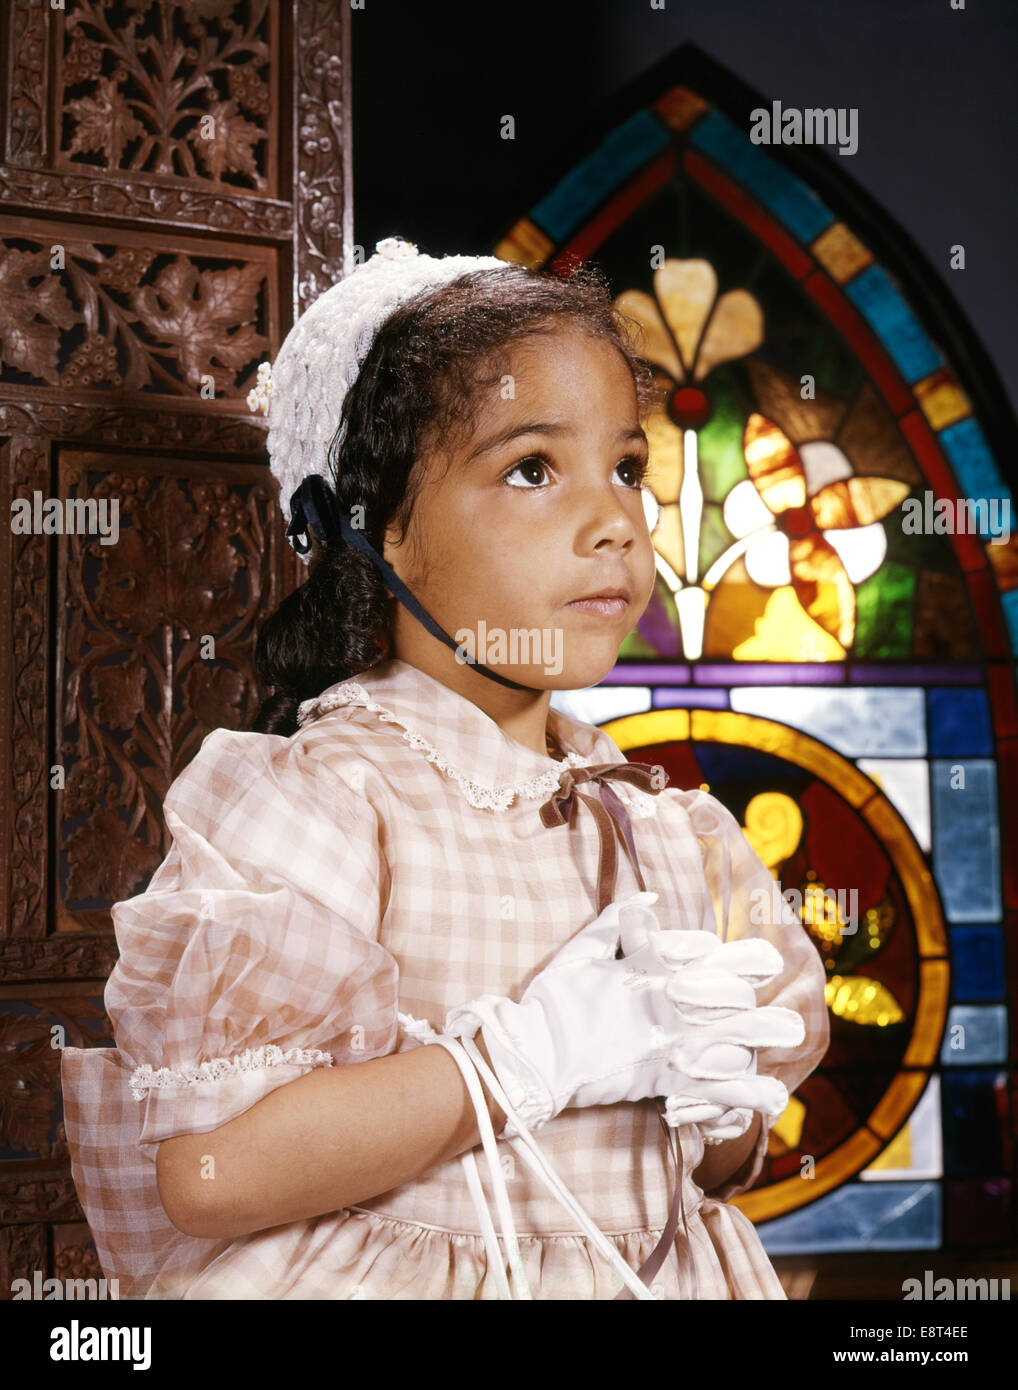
x=593, y=1030
x=713, y=986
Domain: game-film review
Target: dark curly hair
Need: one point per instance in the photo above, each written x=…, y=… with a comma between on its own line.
x=423, y=378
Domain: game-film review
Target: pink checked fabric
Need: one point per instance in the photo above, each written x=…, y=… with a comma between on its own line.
x=391, y=857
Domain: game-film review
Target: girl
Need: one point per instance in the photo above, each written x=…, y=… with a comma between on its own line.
x=415, y=837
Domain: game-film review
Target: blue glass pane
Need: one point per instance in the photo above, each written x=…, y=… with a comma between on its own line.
x=972, y=1126
x=959, y=722
x=857, y=722
x=974, y=1033
x=973, y=464
x=966, y=838
x=860, y=1216
x=790, y=200
x=977, y=962
x=879, y=302
x=628, y=147
x=1010, y=602
x=735, y=763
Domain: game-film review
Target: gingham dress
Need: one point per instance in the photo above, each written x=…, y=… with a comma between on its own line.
x=389, y=858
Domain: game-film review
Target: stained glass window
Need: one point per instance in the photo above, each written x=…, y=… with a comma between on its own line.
x=820, y=652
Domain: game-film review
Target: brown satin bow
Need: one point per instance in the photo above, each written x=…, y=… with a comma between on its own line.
x=609, y=814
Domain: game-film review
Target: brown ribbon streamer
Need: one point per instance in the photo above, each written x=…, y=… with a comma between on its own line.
x=612, y=819
x=609, y=814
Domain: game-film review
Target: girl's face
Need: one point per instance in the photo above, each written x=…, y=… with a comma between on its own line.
x=508, y=532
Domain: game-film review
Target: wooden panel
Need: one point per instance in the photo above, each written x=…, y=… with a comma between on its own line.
x=175, y=186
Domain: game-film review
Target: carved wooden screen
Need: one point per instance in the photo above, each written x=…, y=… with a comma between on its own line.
x=174, y=183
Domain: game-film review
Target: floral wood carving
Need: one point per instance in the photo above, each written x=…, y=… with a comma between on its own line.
x=200, y=321
x=65, y=955
x=23, y=1198
x=30, y=1047
x=324, y=212
x=26, y=116
x=22, y=1251
x=74, y=1255
x=178, y=88
x=27, y=465
x=95, y=424
x=158, y=650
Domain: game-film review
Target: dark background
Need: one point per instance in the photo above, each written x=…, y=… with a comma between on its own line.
x=936, y=90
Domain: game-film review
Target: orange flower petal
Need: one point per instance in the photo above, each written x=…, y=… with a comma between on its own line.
x=773, y=464
x=822, y=586
x=856, y=502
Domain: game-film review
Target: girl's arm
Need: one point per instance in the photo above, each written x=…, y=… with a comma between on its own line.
x=333, y=1138
x=720, y=1161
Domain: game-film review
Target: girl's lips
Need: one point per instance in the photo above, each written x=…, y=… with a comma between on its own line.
x=604, y=607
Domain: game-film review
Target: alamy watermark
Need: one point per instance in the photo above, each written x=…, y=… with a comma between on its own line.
x=828, y=906
x=940, y=516
x=38, y=1287
x=67, y=516
x=930, y=1288
x=815, y=125
x=520, y=646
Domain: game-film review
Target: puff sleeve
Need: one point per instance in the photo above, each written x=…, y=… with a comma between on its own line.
x=253, y=955
x=747, y=902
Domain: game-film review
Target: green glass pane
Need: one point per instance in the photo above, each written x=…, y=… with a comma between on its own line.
x=715, y=537
x=884, y=613
x=930, y=552
x=719, y=443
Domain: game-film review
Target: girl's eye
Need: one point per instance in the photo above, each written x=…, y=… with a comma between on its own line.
x=637, y=465
x=535, y=462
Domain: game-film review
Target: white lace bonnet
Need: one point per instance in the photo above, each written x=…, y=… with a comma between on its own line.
x=302, y=393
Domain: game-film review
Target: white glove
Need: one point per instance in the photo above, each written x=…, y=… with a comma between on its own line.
x=713, y=986
x=593, y=1030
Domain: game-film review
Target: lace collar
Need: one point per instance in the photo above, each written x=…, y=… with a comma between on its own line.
x=490, y=768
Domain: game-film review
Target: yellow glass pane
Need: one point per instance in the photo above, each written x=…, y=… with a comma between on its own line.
x=735, y=610
x=686, y=291
x=525, y=244
x=1004, y=560
x=680, y=107
x=784, y=632
x=934, y=984
x=655, y=343
x=668, y=538
x=941, y=399
x=736, y=328
x=667, y=464
x=899, y=1099
x=841, y=253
